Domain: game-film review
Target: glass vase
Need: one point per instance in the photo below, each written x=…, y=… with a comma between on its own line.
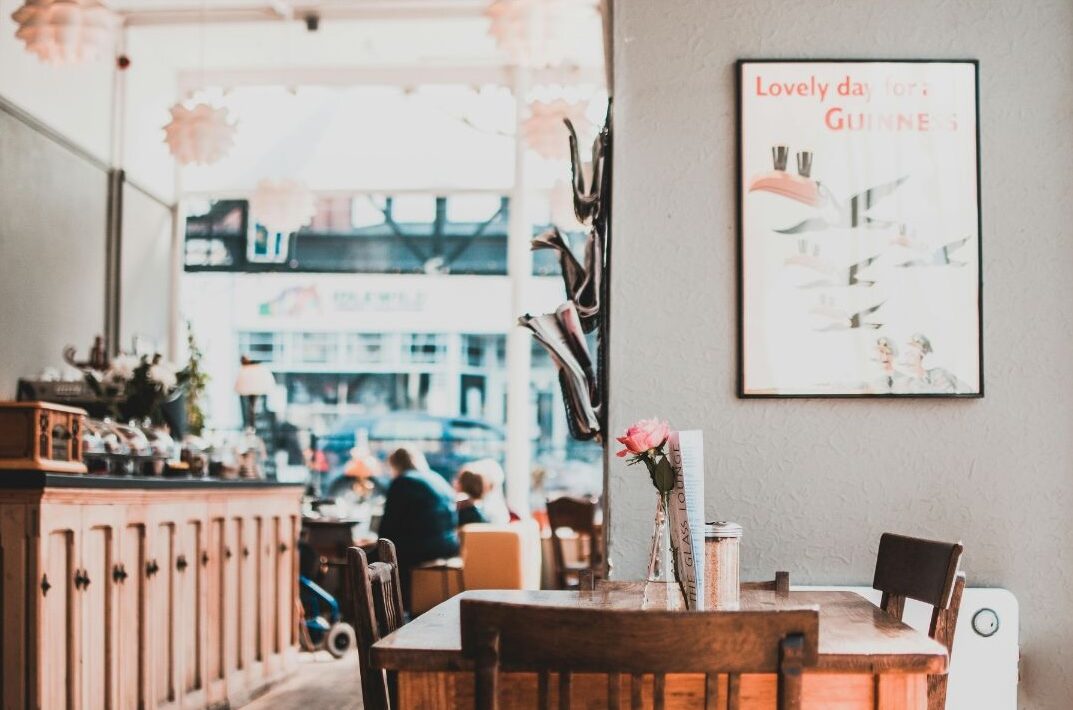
x=660, y=564
x=661, y=586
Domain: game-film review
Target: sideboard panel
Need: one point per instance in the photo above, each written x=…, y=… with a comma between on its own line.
x=135, y=595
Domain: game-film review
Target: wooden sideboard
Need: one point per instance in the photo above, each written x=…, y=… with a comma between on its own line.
x=145, y=593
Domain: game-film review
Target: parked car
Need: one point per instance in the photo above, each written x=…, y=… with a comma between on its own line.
x=447, y=442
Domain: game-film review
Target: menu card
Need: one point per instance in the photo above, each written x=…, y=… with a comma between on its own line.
x=685, y=450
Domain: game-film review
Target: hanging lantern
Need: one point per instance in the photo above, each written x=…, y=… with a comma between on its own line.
x=66, y=31
x=201, y=134
x=284, y=206
x=545, y=132
x=541, y=33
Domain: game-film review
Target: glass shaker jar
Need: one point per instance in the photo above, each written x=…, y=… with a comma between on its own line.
x=722, y=544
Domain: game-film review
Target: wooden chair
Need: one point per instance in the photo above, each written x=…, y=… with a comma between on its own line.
x=546, y=639
x=780, y=585
x=377, y=599
x=925, y=570
x=578, y=515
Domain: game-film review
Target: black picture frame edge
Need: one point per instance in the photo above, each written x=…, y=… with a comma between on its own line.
x=739, y=215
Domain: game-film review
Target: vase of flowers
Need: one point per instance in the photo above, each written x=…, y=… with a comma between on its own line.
x=136, y=388
x=645, y=442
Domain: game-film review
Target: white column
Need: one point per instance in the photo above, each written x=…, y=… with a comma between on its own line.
x=520, y=270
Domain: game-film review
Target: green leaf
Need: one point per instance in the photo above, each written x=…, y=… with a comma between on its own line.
x=663, y=475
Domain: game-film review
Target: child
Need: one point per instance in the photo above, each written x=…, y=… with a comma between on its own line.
x=470, y=486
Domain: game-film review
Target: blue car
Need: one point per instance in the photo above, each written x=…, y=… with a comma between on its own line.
x=447, y=442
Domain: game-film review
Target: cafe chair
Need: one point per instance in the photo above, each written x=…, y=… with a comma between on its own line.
x=927, y=571
x=501, y=556
x=376, y=596
x=579, y=516
x=616, y=642
x=780, y=585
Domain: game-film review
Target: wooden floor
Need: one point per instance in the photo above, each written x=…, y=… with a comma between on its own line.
x=321, y=683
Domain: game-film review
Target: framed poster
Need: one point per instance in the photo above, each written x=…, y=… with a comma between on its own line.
x=859, y=229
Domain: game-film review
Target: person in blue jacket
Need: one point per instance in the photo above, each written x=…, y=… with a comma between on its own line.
x=419, y=514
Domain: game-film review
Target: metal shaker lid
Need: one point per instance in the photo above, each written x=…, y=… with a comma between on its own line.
x=721, y=529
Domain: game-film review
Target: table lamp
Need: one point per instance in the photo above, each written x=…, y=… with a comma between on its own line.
x=254, y=380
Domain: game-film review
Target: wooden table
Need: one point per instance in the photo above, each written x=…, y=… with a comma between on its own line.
x=867, y=660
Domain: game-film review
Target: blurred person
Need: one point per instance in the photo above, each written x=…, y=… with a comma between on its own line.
x=470, y=486
x=493, y=502
x=419, y=514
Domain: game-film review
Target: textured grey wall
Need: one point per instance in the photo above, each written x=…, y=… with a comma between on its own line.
x=815, y=482
x=52, y=256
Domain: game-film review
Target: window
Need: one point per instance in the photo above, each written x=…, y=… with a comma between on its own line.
x=413, y=208
x=473, y=208
x=484, y=350
x=365, y=347
x=318, y=348
x=260, y=346
x=424, y=348
x=367, y=211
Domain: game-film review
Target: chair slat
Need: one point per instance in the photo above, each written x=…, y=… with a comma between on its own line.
x=712, y=701
x=733, y=692
x=659, y=691
x=565, y=679
x=614, y=691
x=636, y=691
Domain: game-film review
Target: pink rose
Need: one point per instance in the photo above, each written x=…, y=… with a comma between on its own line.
x=643, y=436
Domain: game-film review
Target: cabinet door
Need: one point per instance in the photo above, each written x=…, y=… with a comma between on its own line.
x=267, y=576
x=131, y=662
x=58, y=657
x=213, y=571
x=249, y=613
x=286, y=579
x=232, y=604
x=97, y=606
x=160, y=577
x=190, y=617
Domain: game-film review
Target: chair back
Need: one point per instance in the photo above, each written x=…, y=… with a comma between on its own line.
x=913, y=568
x=376, y=595
x=927, y=571
x=546, y=639
x=501, y=556
x=578, y=515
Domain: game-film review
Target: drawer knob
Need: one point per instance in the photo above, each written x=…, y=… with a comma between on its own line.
x=151, y=568
x=204, y=558
x=227, y=553
x=119, y=573
x=81, y=579
x=181, y=564
x=283, y=547
x=45, y=586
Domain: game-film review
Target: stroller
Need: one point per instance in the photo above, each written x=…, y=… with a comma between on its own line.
x=322, y=619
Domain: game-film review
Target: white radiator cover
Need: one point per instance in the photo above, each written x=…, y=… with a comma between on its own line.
x=983, y=669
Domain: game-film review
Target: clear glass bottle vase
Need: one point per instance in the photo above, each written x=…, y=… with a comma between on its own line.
x=660, y=562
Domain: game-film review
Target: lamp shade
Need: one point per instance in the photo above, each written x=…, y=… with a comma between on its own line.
x=254, y=380
x=202, y=134
x=66, y=31
x=541, y=33
x=284, y=206
x=544, y=130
